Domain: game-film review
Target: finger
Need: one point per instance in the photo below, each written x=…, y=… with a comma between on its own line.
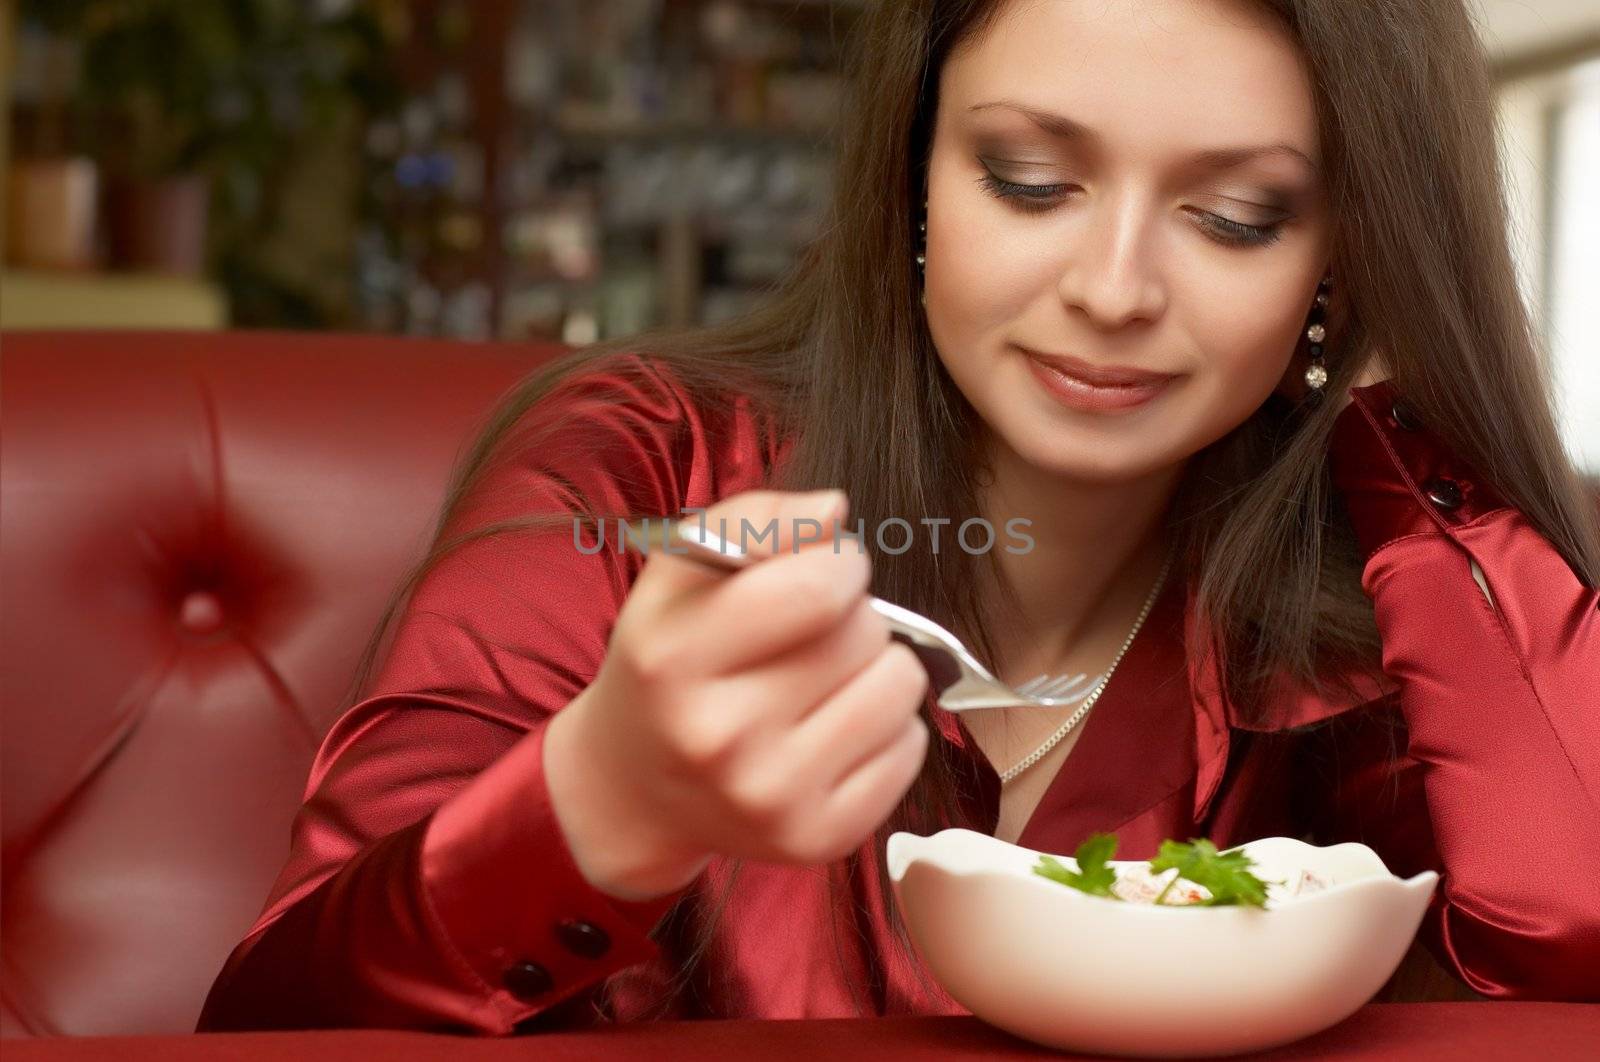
x=668, y=574
x=864, y=799
x=777, y=606
x=770, y=523
x=861, y=720
x=788, y=687
x=741, y=617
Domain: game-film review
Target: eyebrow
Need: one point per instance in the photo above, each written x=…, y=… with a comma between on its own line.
x=1059, y=125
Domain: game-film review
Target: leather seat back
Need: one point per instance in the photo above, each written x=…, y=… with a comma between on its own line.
x=199, y=531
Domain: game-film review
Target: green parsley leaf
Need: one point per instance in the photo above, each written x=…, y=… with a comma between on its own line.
x=1226, y=875
x=1093, y=876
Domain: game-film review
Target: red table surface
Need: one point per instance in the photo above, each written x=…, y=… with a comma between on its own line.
x=1453, y=1031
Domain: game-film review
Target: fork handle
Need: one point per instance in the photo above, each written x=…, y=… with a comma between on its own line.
x=684, y=539
x=941, y=666
x=692, y=542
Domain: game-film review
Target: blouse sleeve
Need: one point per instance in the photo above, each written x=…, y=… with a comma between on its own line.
x=1495, y=645
x=428, y=883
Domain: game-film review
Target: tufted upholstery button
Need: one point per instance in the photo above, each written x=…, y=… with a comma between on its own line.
x=1445, y=493
x=583, y=938
x=527, y=980
x=1403, y=416
x=200, y=612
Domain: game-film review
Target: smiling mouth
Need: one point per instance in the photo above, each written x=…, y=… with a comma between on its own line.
x=1079, y=395
x=1098, y=377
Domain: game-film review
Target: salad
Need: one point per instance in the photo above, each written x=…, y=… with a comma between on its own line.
x=1192, y=874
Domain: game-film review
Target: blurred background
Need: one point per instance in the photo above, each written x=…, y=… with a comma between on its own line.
x=567, y=169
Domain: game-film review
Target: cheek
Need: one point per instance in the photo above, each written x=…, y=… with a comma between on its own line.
x=980, y=283
x=1248, y=339
x=984, y=268
x=973, y=286
x=1245, y=357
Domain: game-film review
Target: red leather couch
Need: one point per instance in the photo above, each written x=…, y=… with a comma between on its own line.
x=198, y=532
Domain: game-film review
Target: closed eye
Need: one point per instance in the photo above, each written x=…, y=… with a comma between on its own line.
x=1028, y=196
x=1038, y=198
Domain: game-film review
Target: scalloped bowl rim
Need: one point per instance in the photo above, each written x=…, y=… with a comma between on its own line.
x=1378, y=876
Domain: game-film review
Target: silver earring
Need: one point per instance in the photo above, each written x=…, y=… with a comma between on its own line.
x=1316, y=333
x=922, y=252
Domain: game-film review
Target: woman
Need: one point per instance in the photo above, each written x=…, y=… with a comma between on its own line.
x=1316, y=524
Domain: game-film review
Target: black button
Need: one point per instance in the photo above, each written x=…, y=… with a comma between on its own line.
x=1443, y=492
x=583, y=938
x=1403, y=416
x=527, y=980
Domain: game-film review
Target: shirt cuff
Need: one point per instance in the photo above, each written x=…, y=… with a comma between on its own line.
x=1398, y=477
x=508, y=894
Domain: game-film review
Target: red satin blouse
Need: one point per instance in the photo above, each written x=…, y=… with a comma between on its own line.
x=429, y=886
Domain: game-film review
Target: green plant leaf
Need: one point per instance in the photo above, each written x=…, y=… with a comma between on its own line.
x=1093, y=876
x=1226, y=875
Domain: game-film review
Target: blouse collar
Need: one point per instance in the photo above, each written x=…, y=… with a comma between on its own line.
x=1162, y=723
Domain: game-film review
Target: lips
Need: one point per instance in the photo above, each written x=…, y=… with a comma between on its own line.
x=1098, y=376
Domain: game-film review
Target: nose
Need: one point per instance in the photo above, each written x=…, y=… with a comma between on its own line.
x=1110, y=275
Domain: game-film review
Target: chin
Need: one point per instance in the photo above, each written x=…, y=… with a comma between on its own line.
x=1062, y=453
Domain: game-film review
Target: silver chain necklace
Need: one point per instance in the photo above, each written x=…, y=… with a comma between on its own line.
x=1066, y=728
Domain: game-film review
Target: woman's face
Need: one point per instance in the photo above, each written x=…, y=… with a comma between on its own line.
x=1103, y=226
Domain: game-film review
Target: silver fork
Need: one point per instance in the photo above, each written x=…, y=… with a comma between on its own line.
x=963, y=683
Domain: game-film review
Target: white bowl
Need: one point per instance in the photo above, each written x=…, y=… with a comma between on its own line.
x=1063, y=968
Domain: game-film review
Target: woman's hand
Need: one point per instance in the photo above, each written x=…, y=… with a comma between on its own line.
x=763, y=714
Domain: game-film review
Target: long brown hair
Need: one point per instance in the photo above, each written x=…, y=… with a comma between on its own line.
x=1420, y=249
